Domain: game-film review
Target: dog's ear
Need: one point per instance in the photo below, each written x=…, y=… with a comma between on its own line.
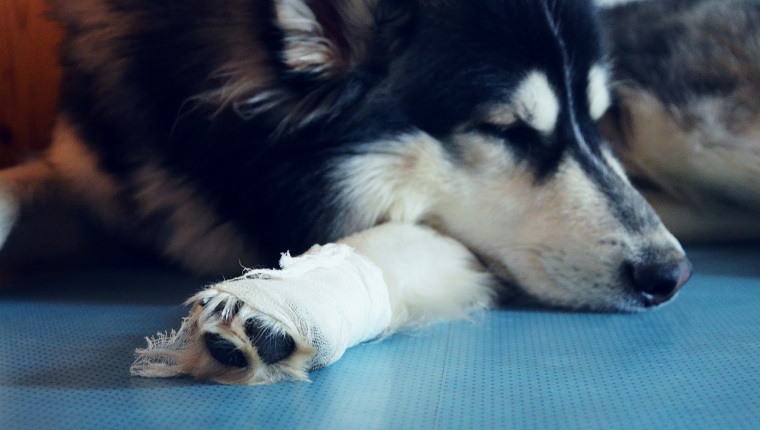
x=320, y=43
x=327, y=38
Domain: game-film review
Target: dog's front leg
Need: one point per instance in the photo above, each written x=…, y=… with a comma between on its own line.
x=273, y=325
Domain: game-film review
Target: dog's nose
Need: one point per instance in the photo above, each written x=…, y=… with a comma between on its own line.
x=225, y=351
x=659, y=282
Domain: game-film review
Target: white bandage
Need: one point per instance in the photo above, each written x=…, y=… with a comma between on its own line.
x=327, y=299
x=331, y=296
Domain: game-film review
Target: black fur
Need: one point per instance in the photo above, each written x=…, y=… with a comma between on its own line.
x=431, y=66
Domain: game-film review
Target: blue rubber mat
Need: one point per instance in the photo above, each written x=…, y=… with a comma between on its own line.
x=67, y=341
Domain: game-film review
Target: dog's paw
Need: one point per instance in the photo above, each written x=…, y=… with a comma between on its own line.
x=275, y=325
x=241, y=345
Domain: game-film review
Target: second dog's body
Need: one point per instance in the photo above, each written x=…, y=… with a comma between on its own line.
x=687, y=122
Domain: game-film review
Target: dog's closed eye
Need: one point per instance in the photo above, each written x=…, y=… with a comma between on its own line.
x=496, y=122
x=496, y=129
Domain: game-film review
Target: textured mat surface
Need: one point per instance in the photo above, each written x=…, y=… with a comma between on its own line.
x=66, y=343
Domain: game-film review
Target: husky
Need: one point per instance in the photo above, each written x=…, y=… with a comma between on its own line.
x=686, y=115
x=221, y=133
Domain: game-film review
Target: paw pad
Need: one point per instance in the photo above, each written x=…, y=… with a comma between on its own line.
x=272, y=345
x=224, y=351
x=230, y=328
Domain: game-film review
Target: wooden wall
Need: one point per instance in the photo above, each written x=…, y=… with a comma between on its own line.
x=29, y=77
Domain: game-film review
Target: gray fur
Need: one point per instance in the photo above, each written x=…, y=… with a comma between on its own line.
x=687, y=119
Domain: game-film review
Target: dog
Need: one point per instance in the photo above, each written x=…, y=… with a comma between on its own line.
x=221, y=133
x=686, y=121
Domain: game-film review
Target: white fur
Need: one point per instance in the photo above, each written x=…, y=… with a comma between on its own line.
x=306, y=48
x=536, y=103
x=615, y=164
x=397, y=184
x=430, y=277
x=598, y=91
x=612, y=3
x=262, y=102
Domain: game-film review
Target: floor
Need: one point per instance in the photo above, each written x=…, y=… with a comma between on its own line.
x=66, y=342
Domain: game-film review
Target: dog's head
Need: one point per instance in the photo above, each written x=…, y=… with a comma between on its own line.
x=478, y=117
